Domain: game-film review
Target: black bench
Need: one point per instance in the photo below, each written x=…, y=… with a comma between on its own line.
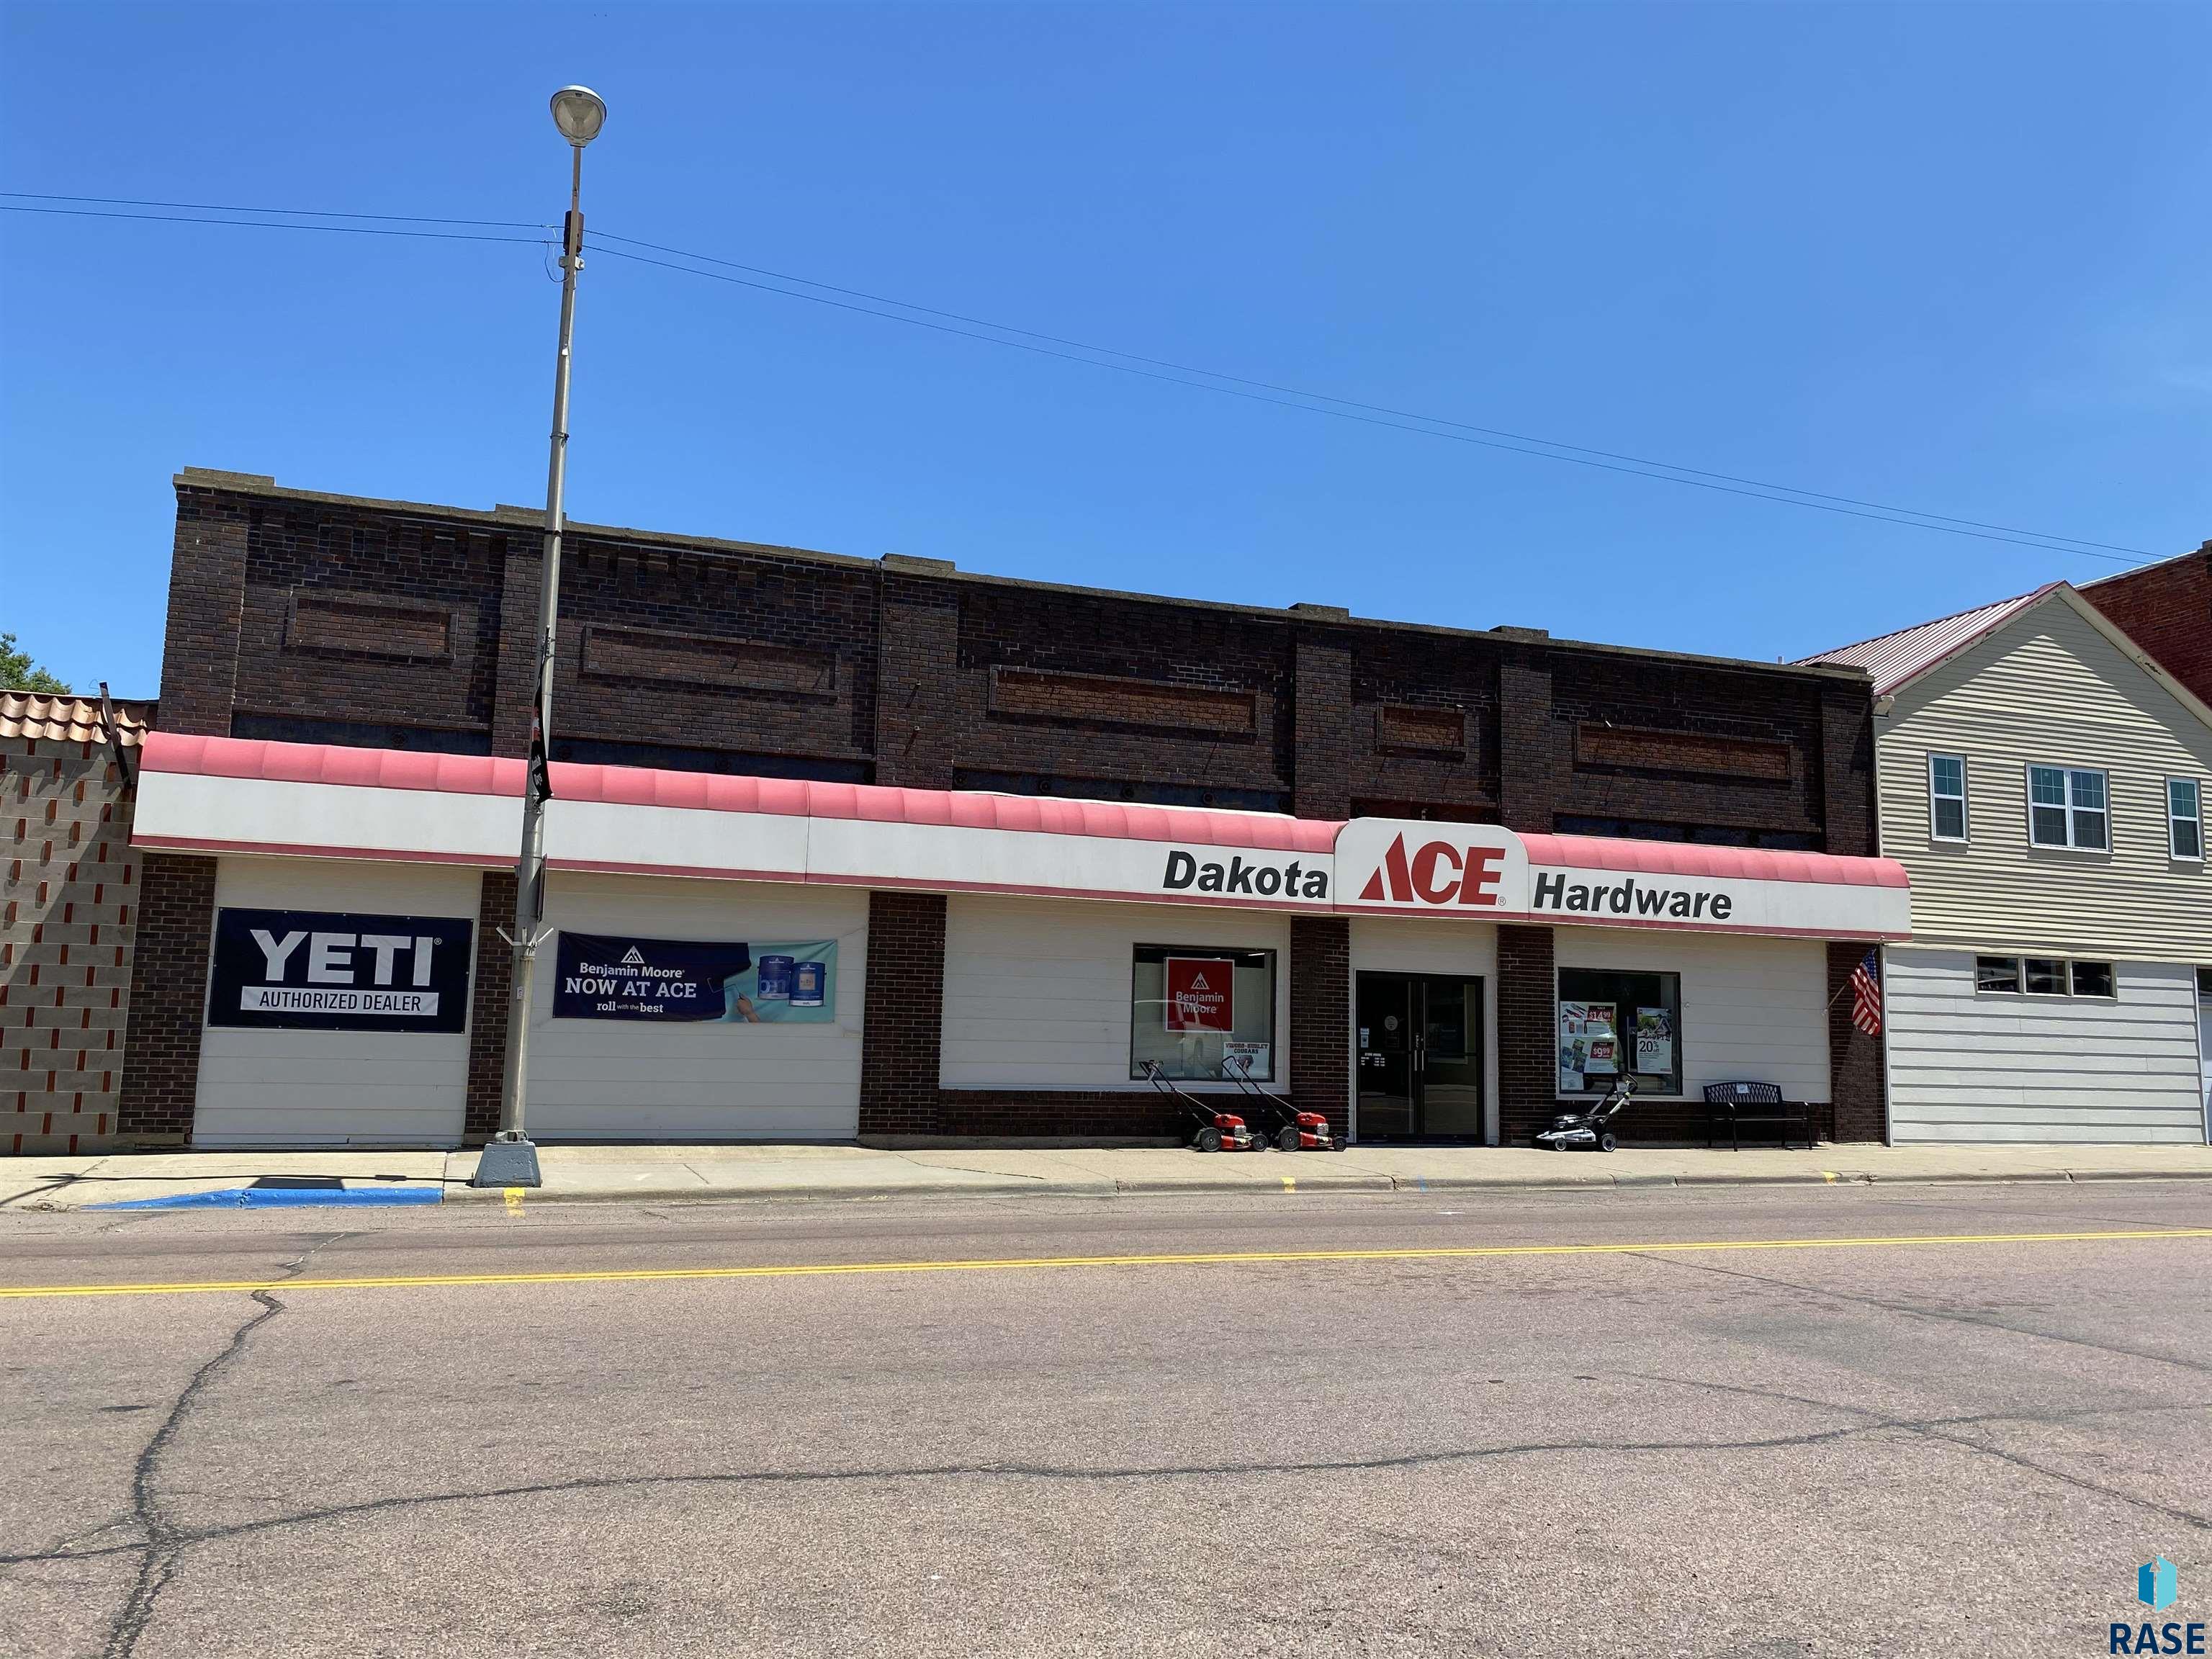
x=1738, y=1103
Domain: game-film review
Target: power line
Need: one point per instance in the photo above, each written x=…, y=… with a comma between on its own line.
x=1354, y=403
x=273, y=224
x=1097, y=356
x=301, y=213
x=2047, y=545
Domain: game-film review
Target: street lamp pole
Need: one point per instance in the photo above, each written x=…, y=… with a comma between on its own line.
x=510, y=1159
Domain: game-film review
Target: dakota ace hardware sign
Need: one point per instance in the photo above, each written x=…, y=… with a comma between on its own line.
x=337, y=971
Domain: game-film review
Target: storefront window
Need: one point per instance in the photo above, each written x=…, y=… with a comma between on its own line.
x=1607, y=1020
x=1193, y=1007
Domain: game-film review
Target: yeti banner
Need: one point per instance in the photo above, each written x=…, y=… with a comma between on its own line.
x=772, y=983
x=334, y=971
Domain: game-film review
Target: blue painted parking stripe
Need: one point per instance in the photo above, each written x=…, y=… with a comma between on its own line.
x=281, y=1198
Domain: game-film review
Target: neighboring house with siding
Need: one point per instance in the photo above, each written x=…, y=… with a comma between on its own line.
x=2045, y=783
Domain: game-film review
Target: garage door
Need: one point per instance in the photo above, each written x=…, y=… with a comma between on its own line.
x=289, y=1084
x=791, y=1075
x=1983, y=1067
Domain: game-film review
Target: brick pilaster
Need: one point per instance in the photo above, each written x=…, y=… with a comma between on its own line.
x=918, y=654
x=1532, y=772
x=1856, y=1076
x=1321, y=774
x=903, y=1018
x=1319, y=1037
x=1847, y=789
x=520, y=560
x=207, y=604
x=494, y=980
x=168, y=997
x=1527, y=1036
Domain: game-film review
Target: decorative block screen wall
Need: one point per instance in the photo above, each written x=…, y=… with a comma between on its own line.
x=68, y=905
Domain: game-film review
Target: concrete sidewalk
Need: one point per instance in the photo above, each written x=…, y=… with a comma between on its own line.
x=352, y=1178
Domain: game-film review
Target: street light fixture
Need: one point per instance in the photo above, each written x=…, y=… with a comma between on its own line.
x=509, y=1159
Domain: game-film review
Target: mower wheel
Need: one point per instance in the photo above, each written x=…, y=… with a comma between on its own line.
x=1606, y=1143
x=1208, y=1140
x=1286, y=1137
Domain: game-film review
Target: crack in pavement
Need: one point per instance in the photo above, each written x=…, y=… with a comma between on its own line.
x=1935, y=1314
x=162, y=1540
x=1932, y=1429
x=181, y=1538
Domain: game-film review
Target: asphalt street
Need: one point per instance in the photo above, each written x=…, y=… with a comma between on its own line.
x=1825, y=1441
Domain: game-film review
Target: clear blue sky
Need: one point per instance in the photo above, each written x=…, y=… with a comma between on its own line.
x=1955, y=257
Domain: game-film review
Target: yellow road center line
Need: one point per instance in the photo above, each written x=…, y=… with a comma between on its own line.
x=1200, y=1258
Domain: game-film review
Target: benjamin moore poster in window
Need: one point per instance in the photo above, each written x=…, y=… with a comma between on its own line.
x=764, y=982
x=336, y=970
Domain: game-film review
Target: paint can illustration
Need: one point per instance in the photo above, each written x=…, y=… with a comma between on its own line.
x=774, y=979
x=810, y=980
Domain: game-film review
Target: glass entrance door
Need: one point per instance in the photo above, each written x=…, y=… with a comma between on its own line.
x=1421, y=1056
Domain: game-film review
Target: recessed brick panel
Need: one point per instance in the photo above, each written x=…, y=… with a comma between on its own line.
x=1097, y=700
x=370, y=625
x=1692, y=752
x=699, y=660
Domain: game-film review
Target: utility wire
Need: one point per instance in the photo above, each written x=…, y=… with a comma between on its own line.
x=299, y=213
x=1127, y=363
x=274, y=224
x=1352, y=402
x=2049, y=545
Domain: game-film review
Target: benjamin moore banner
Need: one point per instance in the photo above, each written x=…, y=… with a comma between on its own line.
x=335, y=970
x=771, y=982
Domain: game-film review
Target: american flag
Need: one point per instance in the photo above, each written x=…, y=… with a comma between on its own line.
x=1866, y=995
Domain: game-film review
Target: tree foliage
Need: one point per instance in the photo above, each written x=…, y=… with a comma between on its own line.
x=19, y=673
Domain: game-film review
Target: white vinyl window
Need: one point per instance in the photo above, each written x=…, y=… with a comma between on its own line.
x=1947, y=796
x=2185, y=818
x=2066, y=807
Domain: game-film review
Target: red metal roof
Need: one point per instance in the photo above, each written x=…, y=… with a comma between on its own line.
x=1894, y=659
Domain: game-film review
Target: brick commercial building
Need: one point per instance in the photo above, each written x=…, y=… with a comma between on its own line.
x=985, y=850
x=67, y=917
x=2166, y=609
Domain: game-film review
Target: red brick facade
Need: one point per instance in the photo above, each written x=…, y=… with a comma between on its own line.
x=2166, y=609
x=327, y=618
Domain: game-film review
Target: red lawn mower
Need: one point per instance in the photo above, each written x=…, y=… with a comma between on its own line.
x=1294, y=1131
x=1217, y=1131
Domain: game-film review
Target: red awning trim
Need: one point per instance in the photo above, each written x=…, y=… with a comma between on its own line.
x=1675, y=858
x=478, y=774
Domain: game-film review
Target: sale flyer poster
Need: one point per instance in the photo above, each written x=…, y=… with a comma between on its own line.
x=1589, y=1045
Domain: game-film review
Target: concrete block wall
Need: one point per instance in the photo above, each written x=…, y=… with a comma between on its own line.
x=68, y=918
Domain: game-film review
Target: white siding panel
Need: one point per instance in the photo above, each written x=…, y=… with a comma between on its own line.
x=1965, y=1066
x=604, y=1079
x=1754, y=1010
x=285, y=1088
x=1036, y=991
x=2049, y=687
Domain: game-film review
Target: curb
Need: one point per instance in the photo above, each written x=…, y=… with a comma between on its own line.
x=1293, y=1187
